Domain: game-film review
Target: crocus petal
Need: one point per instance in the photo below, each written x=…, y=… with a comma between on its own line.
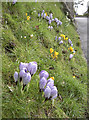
x=54, y=91
x=71, y=55
x=26, y=78
x=16, y=76
x=42, y=82
x=61, y=42
x=50, y=84
x=23, y=65
x=22, y=73
x=14, y=1
x=43, y=73
x=47, y=92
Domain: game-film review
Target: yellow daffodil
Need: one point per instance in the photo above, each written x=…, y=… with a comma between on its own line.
x=52, y=78
x=73, y=76
x=51, y=50
x=46, y=13
x=26, y=14
x=28, y=17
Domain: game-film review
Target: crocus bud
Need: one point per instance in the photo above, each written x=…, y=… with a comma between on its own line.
x=32, y=68
x=55, y=19
x=51, y=15
x=51, y=27
x=49, y=21
x=43, y=11
x=26, y=78
x=47, y=18
x=21, y=73
x=38, y=14
x=56, y=38
x=69, y=41
x=41, y=14
x=43, y=73
x=52, y=20
x=44, y=15
x=71, y=55
x=16, y=76
x=23, y=65
x=71, y=45
x=59, y=38
x=42, y=83
x=60, y=23
x=61, y=42
x=14, y=1
x=48, y=27
x=47, y=92
x=54, y=92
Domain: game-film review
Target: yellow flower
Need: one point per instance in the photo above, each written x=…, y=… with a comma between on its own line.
x=56, y=53
x=46, y=13
x=26, y=14
x=73, y=76
x=66, y=38
x=52, y=78
x=52, y=56
x=74, y=53
x=71, y=49
x=62, y=35
x=28, y=17
x=51, y=50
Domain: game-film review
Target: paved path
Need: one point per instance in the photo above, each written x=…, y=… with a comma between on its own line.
x=82, y=29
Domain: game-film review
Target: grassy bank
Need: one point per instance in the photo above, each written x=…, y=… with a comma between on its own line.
x=16, y=48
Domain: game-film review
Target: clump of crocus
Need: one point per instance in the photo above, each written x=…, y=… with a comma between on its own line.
x=55, y=56
x=14, y=1
x=27, y=70
x=47, y=86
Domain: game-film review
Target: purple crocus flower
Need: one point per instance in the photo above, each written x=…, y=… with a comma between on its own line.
x=42, y=83
x=47, y=18
x=52, y=20
x=50, y=84
x=61, y=42
x=32, y=68
x=59, y=38
x=55, y=19
x=54, y=92
x=41, y=14
x=26, y=78
x=44, y=15
x=44, y=73
x=71, y=55
x=51, y=27
x=50, y=80
x=47, y=92
x=43, y=11
x=14, y=1
x=21, y=73
x=23, y=65
x=69, y=41
x=56, y=38
x=48, y=27
x=60, y=23
x=49, y=21
x=51, y=15
x=71, y=45
x=16, y=76
x=38, y=14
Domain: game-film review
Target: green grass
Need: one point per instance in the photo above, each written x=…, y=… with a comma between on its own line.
x=30, y=103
